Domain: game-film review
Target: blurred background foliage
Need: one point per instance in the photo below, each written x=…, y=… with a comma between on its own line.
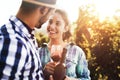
x=99, y=39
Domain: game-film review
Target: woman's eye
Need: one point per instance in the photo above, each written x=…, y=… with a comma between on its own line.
x=57, y=23
x=50, y=21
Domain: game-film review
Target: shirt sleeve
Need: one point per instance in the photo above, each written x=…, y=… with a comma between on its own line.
x=82, y=70
x=13, y=56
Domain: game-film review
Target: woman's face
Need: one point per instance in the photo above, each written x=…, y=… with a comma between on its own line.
x=56, y=26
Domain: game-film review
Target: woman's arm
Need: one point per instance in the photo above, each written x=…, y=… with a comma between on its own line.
x=82, y=70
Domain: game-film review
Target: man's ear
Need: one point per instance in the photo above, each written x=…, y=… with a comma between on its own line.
x=43, y=10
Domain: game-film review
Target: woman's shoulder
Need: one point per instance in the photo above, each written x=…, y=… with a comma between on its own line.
x=74, y=46
x=76, y=50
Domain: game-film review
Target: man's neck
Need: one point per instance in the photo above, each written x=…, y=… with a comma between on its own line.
x=29, y=29
x=27, y=20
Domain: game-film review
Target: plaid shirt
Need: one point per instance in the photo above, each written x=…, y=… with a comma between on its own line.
x=76, y=63
x=19, y=58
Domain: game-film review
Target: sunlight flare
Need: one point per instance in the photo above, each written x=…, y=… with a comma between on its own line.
x=104, y=8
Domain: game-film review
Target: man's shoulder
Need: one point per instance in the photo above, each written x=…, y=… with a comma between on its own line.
x=7, y=31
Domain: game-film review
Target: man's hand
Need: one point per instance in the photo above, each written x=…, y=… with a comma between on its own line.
x=68, y=78
x=49, y=68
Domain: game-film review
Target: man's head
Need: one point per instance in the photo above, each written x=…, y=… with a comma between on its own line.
x=32, y=11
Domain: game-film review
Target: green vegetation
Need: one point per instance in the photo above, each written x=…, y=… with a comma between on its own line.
x=101, y=42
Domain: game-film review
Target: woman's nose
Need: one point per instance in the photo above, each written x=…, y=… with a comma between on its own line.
x=52, y=26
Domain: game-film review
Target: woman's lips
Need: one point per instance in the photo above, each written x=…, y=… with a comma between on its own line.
x=52, y=32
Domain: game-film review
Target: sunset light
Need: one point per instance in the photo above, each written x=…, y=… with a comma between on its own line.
x=104, y=8
x=71, y=7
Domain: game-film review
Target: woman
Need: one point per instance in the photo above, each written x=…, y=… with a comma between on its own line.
x=76, y=63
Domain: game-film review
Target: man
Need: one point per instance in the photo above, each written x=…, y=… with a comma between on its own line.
x=18, y=54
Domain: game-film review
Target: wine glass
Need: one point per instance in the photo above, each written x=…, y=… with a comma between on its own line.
x=56, y=51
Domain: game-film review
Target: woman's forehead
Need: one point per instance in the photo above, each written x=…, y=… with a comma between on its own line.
x=56, y=16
